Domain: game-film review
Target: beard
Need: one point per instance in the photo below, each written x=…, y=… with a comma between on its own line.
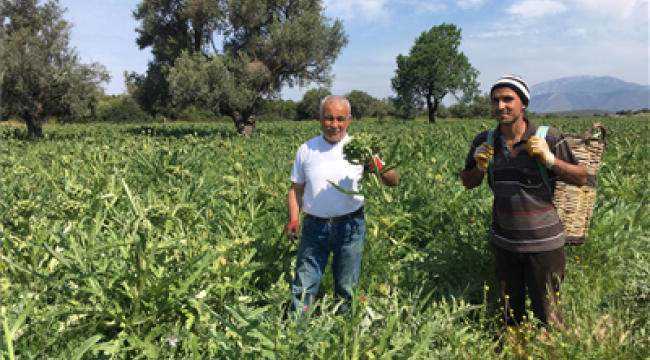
x=333, y=134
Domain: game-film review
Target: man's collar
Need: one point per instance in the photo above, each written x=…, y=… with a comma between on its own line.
x=531, y=129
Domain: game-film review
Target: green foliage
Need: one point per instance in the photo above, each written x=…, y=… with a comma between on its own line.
x=434, y=68
x=278, y=109
x=401, y=109
x=361, y=148
x=379, y=108
x=124, y=110
x=442, y=111
x=476, y=107
x=360, y=102
x=166, y=241
x=266, y=46
x=169, y=27
x=460, y=110
x=41, y=73
x=192, y=113
x=309, y=106
x=481, y=106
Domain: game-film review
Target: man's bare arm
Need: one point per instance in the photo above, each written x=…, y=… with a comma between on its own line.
x=472, y=178
x=294, y=200
x=570, y=173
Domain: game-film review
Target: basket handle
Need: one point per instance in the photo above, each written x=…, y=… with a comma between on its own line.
x=597, y=126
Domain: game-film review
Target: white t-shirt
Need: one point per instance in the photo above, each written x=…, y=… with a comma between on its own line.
x=318, y=161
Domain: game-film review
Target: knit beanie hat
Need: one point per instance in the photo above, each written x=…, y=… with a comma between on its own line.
x=516, y=83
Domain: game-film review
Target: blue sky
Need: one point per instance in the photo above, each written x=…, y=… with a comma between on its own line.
x=538, y=39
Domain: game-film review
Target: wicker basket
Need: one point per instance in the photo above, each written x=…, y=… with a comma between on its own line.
x=574, y=204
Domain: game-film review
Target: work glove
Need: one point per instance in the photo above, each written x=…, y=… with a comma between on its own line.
x=292, y=230
x=370, y=167
x=539, y=147
x=482, y=155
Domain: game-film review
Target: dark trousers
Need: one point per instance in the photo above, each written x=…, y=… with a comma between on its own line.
x=542, y=273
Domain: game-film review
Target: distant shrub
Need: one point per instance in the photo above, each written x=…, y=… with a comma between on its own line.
x=124, y=111
x=269, y=117
x=191, y=113
x=442, y=112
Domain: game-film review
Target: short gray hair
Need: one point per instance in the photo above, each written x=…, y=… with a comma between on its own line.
x=335, y=98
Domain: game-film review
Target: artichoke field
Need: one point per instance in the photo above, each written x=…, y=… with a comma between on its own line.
x=167, y=241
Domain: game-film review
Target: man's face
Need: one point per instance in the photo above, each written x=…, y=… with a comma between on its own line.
x=334, y=121
x=507, y=107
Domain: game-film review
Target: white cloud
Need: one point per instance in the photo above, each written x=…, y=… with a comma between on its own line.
x=528, y=9
x=368, y=10
x=467, y=4
x=376, y=10
x=577, y=32
x=498, y=34
x=621, y=9
x=430, y=7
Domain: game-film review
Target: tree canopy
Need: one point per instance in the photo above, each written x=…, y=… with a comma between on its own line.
x=360, y=102
x=229, y=55
x=309, y=106
x=170, y=27
x=434, y=68
x=41, y=74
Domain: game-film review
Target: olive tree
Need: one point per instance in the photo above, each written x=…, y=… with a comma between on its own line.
x=309, y=106
x=41, y=74
x=434, y=68
x=169, y=28
x=265, y=45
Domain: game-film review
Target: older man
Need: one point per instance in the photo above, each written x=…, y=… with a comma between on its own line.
x=526, y=236
x=334, y=221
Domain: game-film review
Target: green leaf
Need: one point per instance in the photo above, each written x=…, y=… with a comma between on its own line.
x=348, y=192
x=85, y=346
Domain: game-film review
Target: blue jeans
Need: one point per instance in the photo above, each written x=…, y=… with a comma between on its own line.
x=345, y=240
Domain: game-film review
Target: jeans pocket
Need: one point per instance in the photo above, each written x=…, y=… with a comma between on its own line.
x=356, y=225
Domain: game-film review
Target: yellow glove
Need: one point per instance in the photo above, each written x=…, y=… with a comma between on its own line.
x=482, y=155
x=537, y=146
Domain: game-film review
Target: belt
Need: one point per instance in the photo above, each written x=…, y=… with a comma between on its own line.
x=336, y=219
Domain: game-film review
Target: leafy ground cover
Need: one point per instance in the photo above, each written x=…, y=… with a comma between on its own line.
x=166, y=241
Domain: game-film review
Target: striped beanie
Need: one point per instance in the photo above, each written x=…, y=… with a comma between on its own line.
x=516, y=83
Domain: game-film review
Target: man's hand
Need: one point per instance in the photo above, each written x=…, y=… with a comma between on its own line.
x=482, y=155
x=370, y=167
x=292, y=230
x=537, y=146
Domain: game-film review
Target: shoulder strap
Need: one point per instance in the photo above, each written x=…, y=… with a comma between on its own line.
x=541, y=133
x=490, y=140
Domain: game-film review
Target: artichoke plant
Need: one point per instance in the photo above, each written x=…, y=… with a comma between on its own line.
x=361, y=148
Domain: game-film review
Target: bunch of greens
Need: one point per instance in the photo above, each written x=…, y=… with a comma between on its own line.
x=361, y=148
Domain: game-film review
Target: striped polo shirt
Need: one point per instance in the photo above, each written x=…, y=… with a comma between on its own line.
x=524, y=219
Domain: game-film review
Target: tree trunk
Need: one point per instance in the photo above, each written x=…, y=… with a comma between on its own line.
x=34, y=125
x=432, y=110
x=245, y=124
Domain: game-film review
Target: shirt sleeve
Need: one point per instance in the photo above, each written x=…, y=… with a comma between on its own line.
x=559, y=145
x=297, y=171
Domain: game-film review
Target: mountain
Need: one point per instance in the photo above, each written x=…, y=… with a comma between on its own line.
x=588, y=93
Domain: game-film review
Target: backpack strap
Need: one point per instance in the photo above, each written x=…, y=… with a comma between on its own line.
x=541, y=133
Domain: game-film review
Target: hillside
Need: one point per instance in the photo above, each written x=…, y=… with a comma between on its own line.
x=588, y=93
